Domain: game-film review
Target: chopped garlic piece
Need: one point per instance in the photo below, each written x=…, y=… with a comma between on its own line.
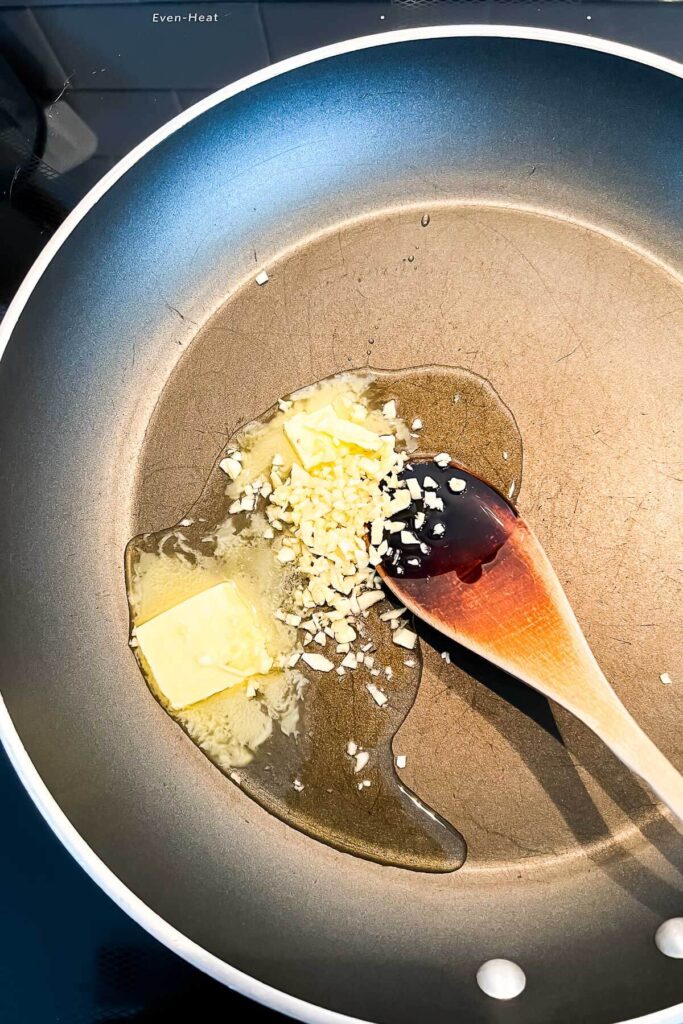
x=401, y=760
x=416, y=424
x=318, y=662
x=400, y=501
x=389, y=410
x=433, y=501
x=393, y=613
x=376, y=532
x=351, y=748
x=344, y=633
x=665, y=678
x=283, y=405
x=414, y=488
x=361, y=759
x=368, y=598
x=408, y=538
x=430, y=483
x=405, y=638
x=261, y=277
x=350, y=661
x=456, y=485
x=377, y=695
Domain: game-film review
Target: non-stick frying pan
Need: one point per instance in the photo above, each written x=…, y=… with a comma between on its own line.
x=551, y=170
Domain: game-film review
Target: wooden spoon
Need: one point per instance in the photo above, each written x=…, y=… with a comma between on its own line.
x=482, y=578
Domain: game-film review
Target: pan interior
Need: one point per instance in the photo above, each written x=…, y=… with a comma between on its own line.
x=578, y=333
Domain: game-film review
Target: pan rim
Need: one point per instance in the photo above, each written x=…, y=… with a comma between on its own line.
x=36, y=788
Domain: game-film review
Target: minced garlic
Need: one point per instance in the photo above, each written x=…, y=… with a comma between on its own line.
x=328, y=470
x=343, y=482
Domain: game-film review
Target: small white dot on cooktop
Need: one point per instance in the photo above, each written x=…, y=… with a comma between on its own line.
x=501, y=979
x=669, y=938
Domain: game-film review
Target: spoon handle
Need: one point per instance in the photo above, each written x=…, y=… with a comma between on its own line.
x=622, y=734
x=557, y=650
x=518, y=617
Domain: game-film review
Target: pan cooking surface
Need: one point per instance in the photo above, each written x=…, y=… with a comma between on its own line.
x=143, y=347
x=524, y=782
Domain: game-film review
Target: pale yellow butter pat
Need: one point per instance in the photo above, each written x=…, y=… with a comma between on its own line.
x=204, y=645
x=320, y=436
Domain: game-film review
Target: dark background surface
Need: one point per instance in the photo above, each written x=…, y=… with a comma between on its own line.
x=80, y=84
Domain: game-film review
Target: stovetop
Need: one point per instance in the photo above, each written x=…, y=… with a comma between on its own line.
x=80, y=84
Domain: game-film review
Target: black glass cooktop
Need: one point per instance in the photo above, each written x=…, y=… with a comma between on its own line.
x=80, y=84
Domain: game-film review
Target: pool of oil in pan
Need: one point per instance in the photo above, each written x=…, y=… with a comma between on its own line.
x=300, y=768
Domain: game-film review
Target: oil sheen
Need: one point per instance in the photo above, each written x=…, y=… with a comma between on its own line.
x=285, y=741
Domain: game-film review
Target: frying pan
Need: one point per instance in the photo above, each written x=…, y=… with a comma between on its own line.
x=550, y=168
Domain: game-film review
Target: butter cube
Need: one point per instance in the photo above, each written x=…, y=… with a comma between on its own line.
x=319, y=437
x=203, y=645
